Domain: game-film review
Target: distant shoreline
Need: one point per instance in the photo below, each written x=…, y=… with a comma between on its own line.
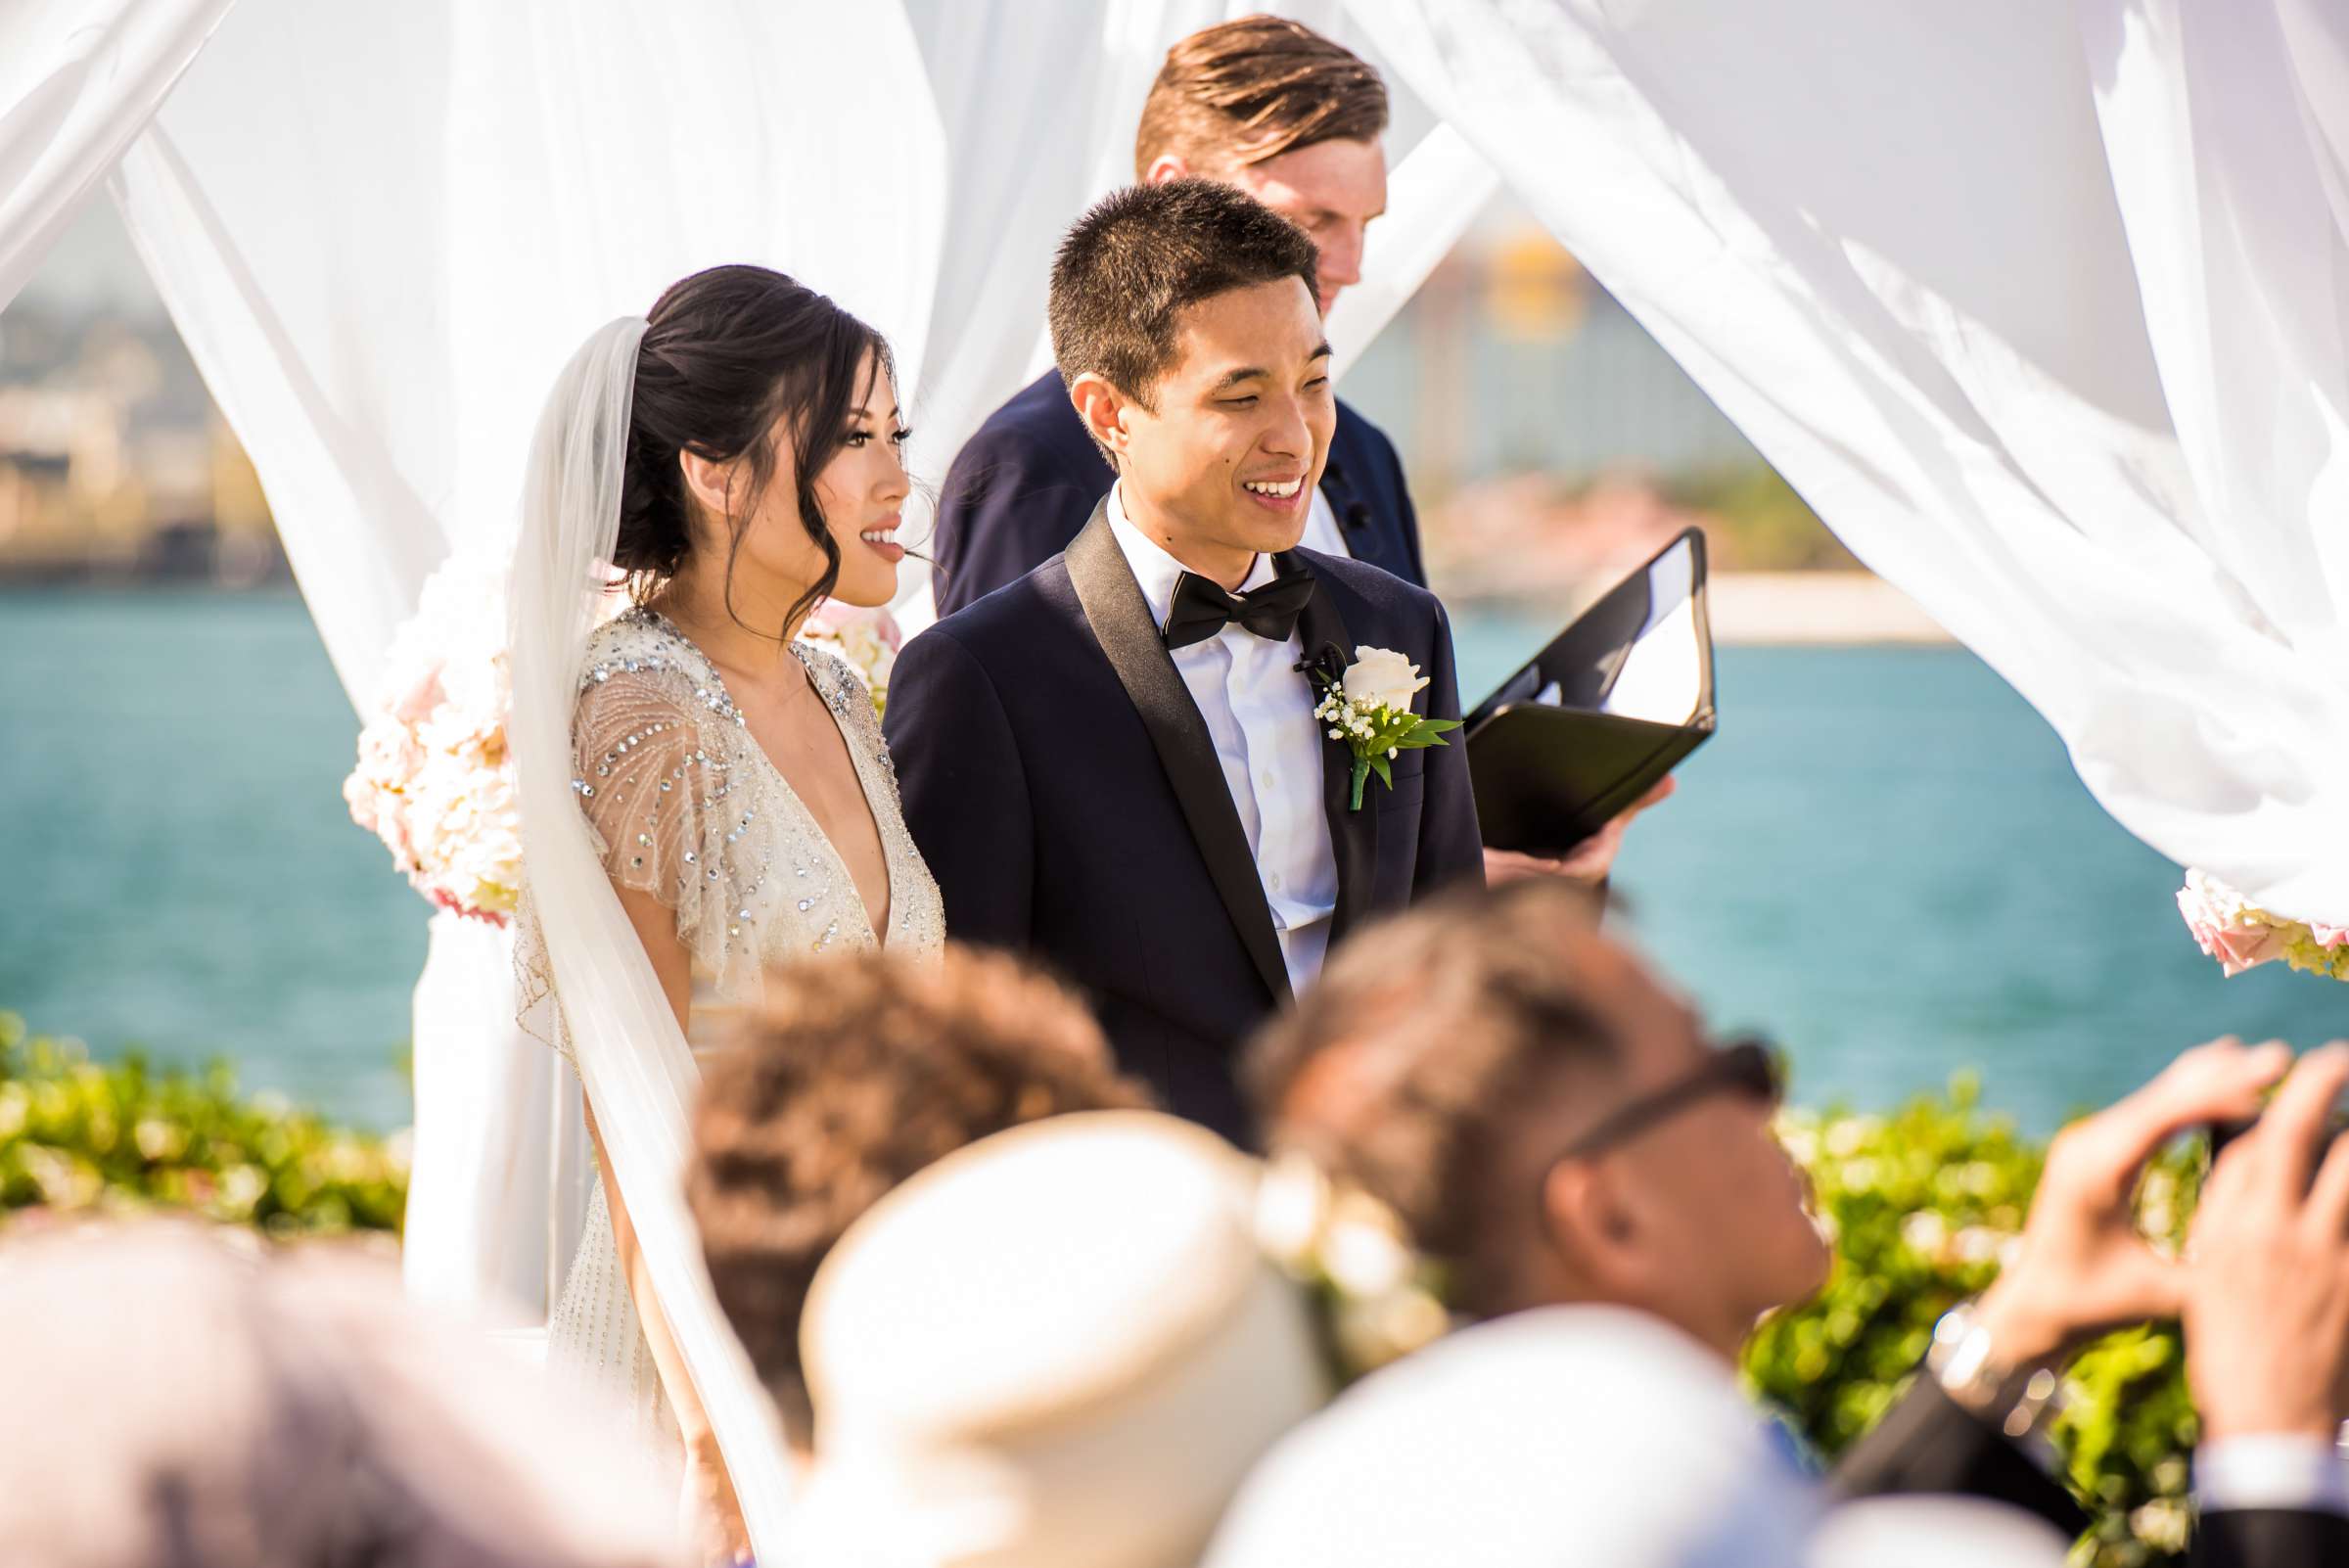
x=1748, y=609
x=1815, y=609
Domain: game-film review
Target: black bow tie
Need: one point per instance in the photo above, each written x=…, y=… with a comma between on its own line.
x=1203, y=608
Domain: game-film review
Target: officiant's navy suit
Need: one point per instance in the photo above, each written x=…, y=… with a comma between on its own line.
x=1020, y=488
x=1064, y=790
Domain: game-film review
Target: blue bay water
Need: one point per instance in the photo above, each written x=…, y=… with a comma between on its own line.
x=1883, y=859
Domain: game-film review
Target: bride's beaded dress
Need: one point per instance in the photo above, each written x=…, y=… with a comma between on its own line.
x=685, y=805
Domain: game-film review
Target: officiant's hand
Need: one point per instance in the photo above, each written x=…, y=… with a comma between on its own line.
x=1589, y=861
x=2083, y=1267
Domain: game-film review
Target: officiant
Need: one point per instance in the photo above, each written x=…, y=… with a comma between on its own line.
x=1295, y=120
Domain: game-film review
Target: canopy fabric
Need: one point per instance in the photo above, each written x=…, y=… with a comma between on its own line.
x=379, y=270
x=2036, y=304
x=79, y=79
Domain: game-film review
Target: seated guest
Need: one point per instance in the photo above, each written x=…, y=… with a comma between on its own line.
x=1058, y=1348
x=180, y=1400
x=857, y=1072
x=1550, y=1126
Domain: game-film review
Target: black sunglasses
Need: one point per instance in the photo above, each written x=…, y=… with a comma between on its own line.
x=1749, y=1067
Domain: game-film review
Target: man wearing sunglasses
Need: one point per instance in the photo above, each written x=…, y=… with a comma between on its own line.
x=1552, y=1127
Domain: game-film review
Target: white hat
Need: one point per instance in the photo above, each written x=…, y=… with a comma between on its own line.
x=1061, y=1345
x=1571, y=1434
x=1564, y=1434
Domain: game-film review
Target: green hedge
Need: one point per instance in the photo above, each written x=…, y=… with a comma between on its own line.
x=77, y=1135
x=1923, y=1204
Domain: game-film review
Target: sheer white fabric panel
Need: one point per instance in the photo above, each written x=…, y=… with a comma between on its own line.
x=380, y=267
x=78, y=80
x=294, y=219
x=1888, y=242
x=461, y=1247
x=1020, y=152
x=1433, y=195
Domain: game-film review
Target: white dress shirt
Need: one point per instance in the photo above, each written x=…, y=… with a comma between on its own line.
x=2271, y=1470
x=1321, y=531
x=1260, y=712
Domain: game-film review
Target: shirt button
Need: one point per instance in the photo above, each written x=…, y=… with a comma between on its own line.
x=1275, y=881
x=1266, y=778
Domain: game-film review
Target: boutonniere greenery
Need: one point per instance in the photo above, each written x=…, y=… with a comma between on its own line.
x=1367, y=705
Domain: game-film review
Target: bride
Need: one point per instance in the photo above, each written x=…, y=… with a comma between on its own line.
x=702, y=795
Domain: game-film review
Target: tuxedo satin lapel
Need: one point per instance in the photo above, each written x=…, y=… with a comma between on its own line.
x=1120, y=618
x=1352, y=835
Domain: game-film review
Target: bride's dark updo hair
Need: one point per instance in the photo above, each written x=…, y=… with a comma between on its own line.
x=725, y=354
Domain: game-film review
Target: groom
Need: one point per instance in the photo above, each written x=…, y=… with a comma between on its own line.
x=1112, y=764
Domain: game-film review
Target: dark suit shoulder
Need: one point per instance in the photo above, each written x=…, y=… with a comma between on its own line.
x=1037, y=427
x=2271, y=1538
x=1928, y=1443
x=1009, y=616
x=1356, y=428
x=1374, y=586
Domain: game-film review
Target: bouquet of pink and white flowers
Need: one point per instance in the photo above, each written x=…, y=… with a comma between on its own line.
x=2242, y=935
x=434, y=779
x=868, y=639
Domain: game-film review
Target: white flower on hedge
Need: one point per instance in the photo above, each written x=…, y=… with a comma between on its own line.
x=1843, y=1140
x=2162, y=1524
x=1924, y=1232
x=1976, y=1244
x=1381, y=678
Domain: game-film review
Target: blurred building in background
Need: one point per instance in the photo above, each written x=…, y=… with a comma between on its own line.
x=1552, y=443
x=114, y=463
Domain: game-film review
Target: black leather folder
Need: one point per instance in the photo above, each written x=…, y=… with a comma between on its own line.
x=1595, y=719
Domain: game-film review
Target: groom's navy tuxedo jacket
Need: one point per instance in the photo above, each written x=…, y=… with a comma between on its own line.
x=1021, y=488
x=1065, y=791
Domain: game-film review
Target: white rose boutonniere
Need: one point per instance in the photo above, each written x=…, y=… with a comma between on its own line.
x=1368, y=707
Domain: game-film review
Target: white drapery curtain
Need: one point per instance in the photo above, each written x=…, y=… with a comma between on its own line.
x=78, y=80
x=2037, y=304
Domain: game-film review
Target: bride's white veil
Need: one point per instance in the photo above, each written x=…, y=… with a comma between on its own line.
x=632, y=1058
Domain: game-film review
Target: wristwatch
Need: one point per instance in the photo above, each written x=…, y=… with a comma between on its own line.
x=1964, y=1361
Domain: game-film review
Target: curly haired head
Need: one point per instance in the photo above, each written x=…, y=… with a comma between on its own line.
x=857, y=1073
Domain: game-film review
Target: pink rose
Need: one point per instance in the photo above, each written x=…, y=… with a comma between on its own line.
x=2328, y=936
x=359, y=795
x=2240, y=948
x=391, y=827
x=418, y=702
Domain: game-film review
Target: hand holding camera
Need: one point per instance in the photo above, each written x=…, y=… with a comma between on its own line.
x=2266, y=1303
